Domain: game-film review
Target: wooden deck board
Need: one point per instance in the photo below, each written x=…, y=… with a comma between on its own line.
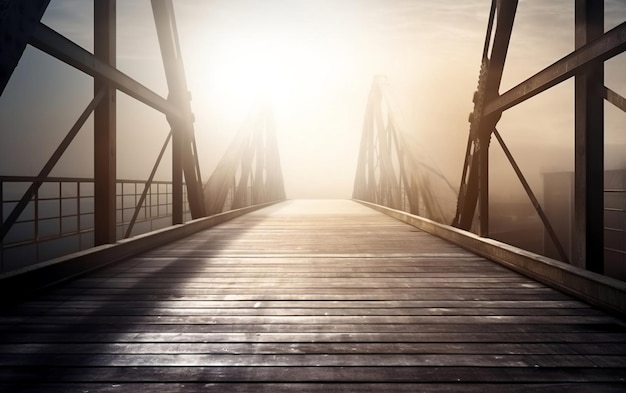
x=309, y=296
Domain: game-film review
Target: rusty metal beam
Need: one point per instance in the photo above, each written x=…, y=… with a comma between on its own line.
x=388, y=172
x=588, y=245
x=147, y=186
x=60, y=47
x=474, y=187
x=614, y=98
x=599, y=49
x=250, y=170
x=18, y=20
x=47, y=168
x=184, y=156
x=533, y=199
x=105, y=119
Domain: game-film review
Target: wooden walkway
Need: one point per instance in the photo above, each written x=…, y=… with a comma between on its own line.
x=309, y=296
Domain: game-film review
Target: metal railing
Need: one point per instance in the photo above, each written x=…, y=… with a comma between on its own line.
x=615, y=235
x=59, y=219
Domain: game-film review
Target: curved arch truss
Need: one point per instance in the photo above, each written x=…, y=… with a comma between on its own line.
x=249, y=172
x=388, y=172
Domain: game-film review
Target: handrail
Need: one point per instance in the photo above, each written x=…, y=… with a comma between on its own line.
x=62, y=210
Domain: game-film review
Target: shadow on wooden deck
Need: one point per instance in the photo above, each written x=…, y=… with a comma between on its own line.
x=309, y=296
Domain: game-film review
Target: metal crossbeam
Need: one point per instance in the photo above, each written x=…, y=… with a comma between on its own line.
x=105, y=124
x=20, y=25
x=47, y=168
x=18, y=20
x=614, y=98
x=588, y=232
x=249, y=173
x=184, y=154
x=475, y=178
x=586, y=64
x=388, y=173
x=609, y=45
x=56, y=45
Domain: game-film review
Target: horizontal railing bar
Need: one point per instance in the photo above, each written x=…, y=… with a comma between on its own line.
x=119, y=224
x=44, y=239
x=48, y=199
x=19, y=179
x=61, y=179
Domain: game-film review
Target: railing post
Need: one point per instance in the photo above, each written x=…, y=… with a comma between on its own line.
x=104, y=126
x=588, y=236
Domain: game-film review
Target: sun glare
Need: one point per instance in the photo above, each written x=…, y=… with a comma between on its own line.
x=248, y=71
x=300, y=74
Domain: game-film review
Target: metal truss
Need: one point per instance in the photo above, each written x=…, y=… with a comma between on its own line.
x=249, y=173
x=586, y=64
x=20, y=25
x=388, y=173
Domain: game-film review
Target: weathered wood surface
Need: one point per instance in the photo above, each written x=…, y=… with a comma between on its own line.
x=309, y=296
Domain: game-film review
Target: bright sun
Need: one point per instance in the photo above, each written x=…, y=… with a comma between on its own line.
x=304, y=73
x=278, y=71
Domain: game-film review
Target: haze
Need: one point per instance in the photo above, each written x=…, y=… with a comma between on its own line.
x=314, y=61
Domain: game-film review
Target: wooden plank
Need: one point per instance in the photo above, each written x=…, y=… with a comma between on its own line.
x=315, y=388
x=309, y=295
x=308, y=311
x=307, y=360
x=226, y=335
x=216, y=304
x=310, y=319
x=317, y=348
x=163, y=332
x=319, y=374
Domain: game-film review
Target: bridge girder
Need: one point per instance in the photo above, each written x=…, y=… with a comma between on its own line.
x=20, y=25
x=249, y=173
x=585, y=63
x=388, y=172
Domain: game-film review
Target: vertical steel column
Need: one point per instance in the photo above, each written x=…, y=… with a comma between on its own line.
x=104, y=125
x=474, y=188
x=588, y=251
x=500, y=46
x=177, y=175
x=184, y=155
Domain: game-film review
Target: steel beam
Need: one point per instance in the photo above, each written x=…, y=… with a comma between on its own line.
x=533, y=198
x=388, y=171
x=588, y=250
x=184, y=155
x=475, y=186
x=18, y=19
x=105, y=118
x=614, y=98
x=147, y=186
x=47, y=168
x=60, y=47
x=600, y=48
x=235, y=175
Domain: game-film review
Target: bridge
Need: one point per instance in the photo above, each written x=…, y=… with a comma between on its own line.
x=224, y=284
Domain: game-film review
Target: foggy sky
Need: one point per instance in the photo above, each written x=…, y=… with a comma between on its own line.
x=321, y=56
